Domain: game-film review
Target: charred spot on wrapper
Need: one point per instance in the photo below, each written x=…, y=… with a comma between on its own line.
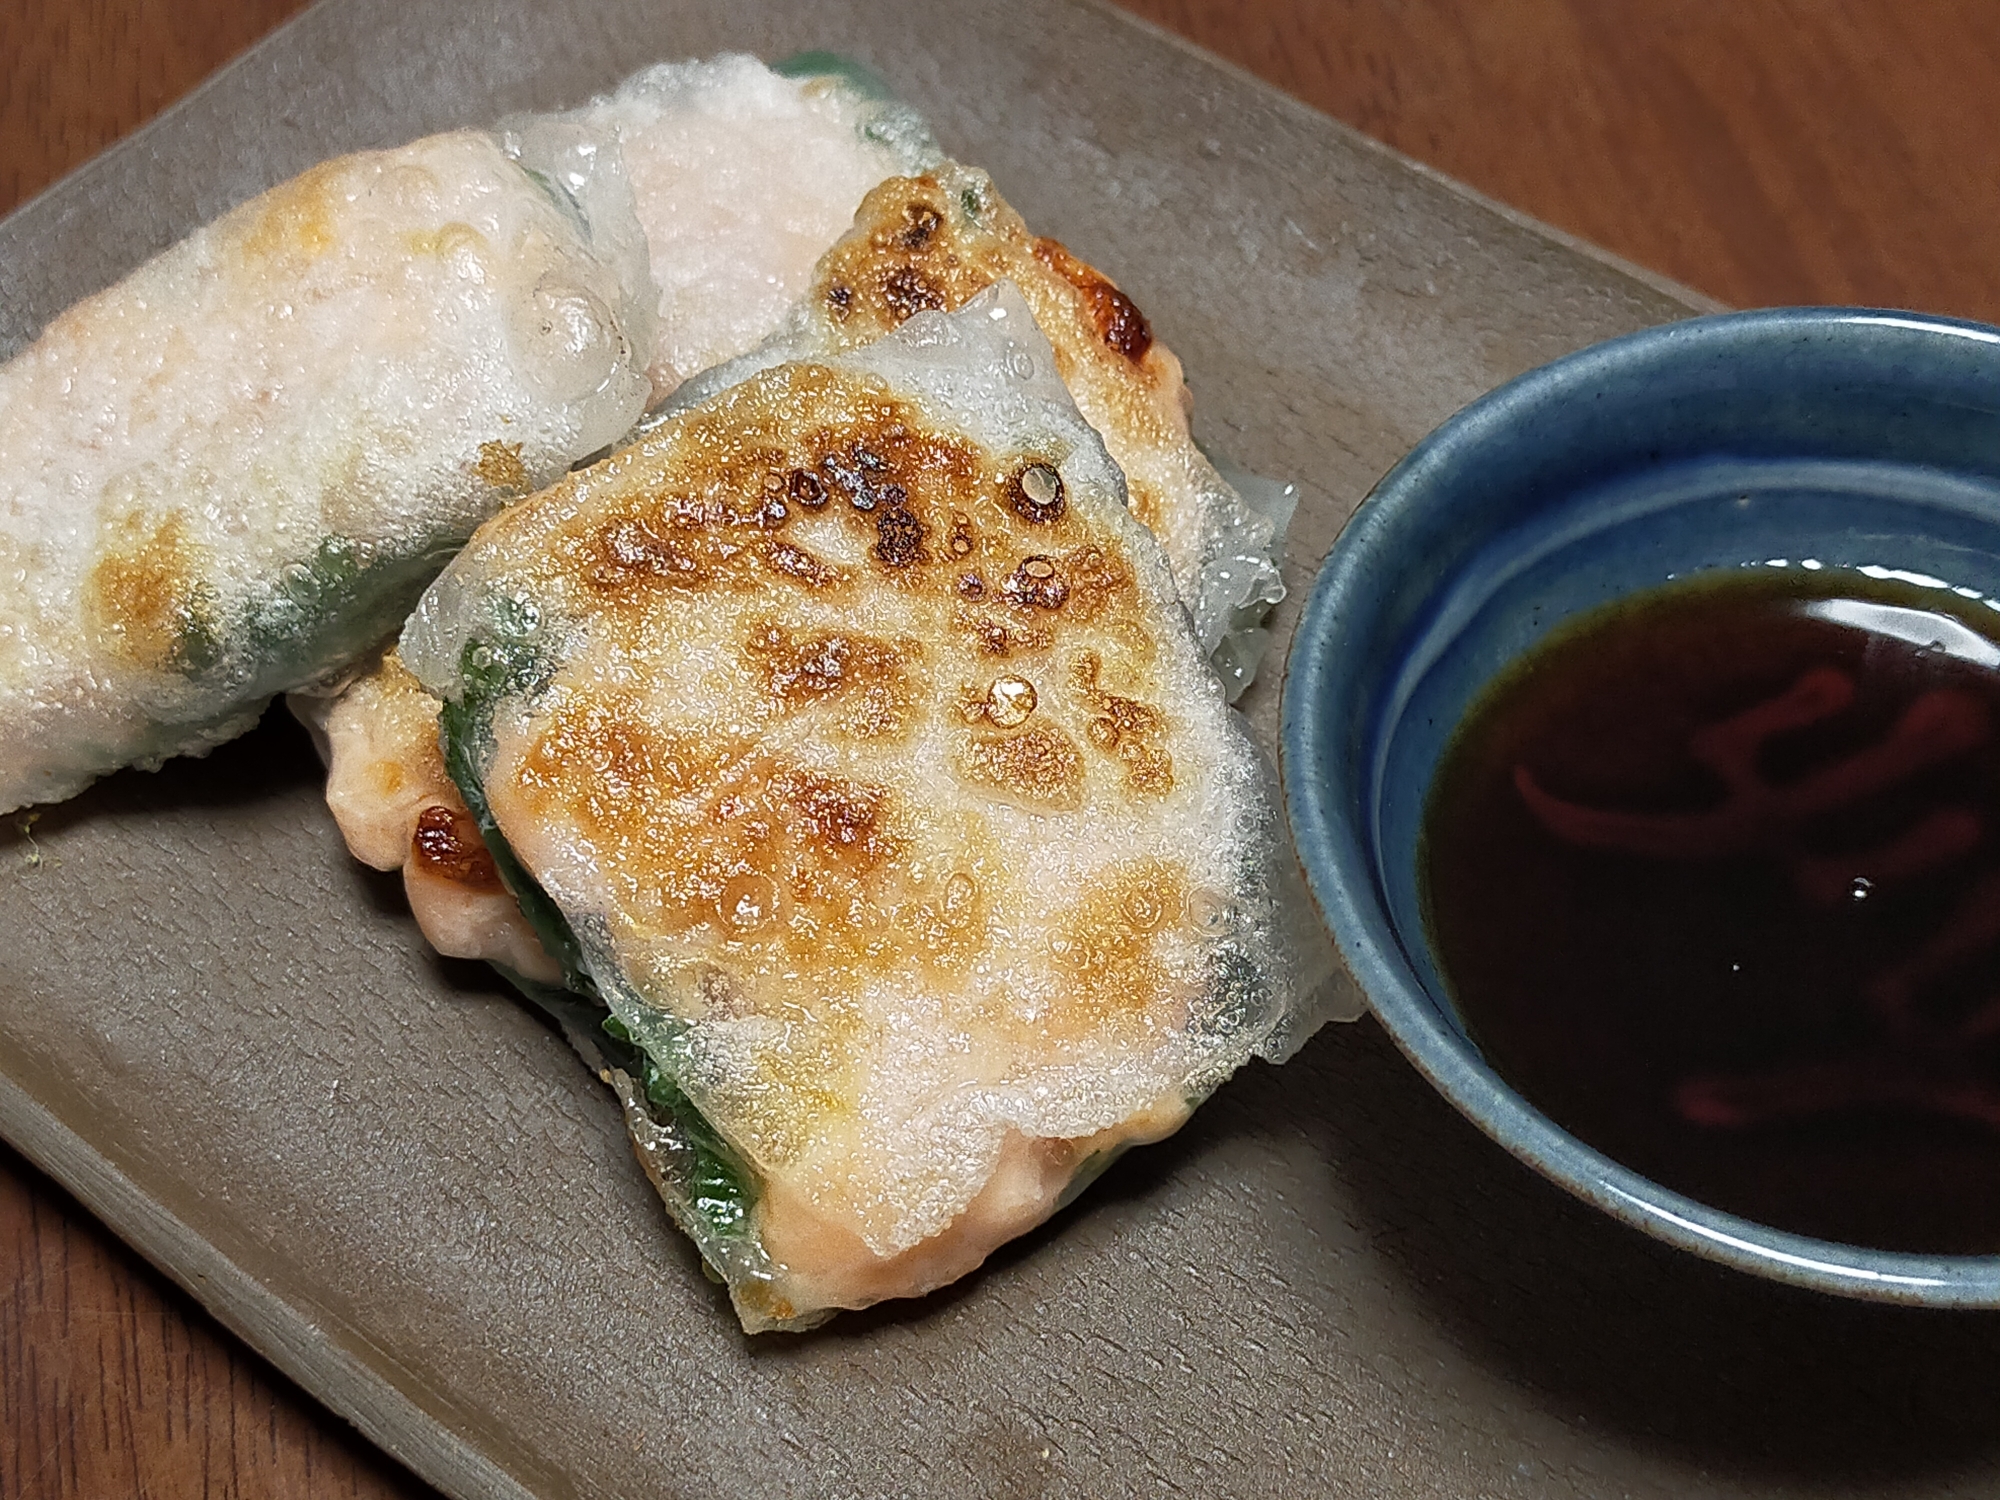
x=994, y=638
x=633, y=548
x=920, y=223
x=447, y=844
x=899, y=537
x=806, y=489
x=858, y=472
x=749, y=902
x=1036, y=584
x=1117, y=319
x=1108, y=946
x=908, y=292
x=696, y=812
x=1036, y=494
x=961, y=534
x=1125, y=728
x=148, y=601
x=841, y=815
x=867, y=680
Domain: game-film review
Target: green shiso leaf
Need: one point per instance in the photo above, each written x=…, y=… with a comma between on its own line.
x=550, y=925
x=321, y=611
x=197, y=637
x=857, y=76
x=720, y=1186
x=489, y=673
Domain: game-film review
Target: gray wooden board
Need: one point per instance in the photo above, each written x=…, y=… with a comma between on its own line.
x=228, y=1040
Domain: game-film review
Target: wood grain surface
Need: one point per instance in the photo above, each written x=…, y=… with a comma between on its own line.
x=1767, y=152
x=1763, y=151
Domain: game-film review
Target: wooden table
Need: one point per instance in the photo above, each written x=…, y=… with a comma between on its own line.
x=1763, y=151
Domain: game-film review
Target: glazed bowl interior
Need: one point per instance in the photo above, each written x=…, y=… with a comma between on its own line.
x=1821, y=438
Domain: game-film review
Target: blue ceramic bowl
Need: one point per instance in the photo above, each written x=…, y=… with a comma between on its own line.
x=1829, y=437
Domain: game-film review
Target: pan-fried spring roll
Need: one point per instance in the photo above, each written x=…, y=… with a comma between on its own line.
x=846, y=740
x=235, y=469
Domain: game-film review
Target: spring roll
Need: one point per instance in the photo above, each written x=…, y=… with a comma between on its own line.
x=847, y=742
x=236, y=469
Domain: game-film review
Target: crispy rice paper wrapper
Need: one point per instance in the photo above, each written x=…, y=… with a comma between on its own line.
x=234, y=470
x=847, y=742
x=933, y=241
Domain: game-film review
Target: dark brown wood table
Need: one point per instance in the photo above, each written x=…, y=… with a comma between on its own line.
x=1762, y=151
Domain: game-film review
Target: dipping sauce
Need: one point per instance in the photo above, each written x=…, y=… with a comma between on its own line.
x=1713, y=876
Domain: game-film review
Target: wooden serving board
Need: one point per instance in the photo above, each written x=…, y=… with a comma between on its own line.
x=228, y=1040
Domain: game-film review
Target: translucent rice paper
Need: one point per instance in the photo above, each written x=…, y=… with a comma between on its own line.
x=854, y=726
x=232, y=471
x=936, y=240
x=742, y=176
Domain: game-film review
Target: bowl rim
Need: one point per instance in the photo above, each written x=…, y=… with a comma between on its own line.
x=1339, y=865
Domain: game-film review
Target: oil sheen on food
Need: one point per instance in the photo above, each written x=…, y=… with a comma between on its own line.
x=1713, y=876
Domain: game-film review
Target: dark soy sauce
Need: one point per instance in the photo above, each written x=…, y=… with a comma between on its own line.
x=1714, y=878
